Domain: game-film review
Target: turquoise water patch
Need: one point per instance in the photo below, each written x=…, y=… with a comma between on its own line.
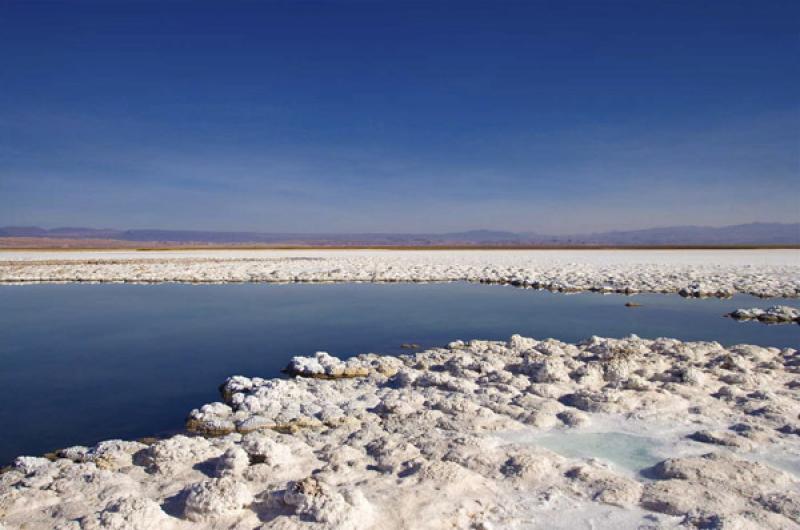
x=626, y=451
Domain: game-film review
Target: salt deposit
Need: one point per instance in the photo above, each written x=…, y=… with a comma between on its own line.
x=447, y=438
x=779, y=314
x=690, y=273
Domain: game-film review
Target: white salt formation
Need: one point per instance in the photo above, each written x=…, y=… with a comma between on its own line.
x=779, y=314
x=325, y=366
x=446, y=438
x=691, y=273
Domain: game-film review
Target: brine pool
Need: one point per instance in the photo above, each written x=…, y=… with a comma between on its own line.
x=635, y=454
x=83, y=363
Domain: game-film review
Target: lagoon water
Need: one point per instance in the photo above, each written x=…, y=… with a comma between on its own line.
x=83, y=363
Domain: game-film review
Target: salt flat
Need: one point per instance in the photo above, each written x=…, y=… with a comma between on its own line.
x=690, y=273
x=450, y=438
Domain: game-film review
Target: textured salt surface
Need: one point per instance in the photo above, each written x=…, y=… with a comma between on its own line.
x=779, y=314
x=412, y=442
x=690, y=273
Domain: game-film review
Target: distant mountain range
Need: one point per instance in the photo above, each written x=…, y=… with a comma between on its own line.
x=744, y=234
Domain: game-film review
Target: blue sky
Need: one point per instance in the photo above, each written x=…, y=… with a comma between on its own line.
x=553, y=117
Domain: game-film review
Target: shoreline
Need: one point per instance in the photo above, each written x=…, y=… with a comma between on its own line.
x=623, y=292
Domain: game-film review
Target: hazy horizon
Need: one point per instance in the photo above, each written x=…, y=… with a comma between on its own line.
x=399, y=118
x=475, y=230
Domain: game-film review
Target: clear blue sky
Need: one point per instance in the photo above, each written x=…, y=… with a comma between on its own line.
x=554, y=117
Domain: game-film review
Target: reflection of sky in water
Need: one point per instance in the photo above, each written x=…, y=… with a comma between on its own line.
x=82, y=363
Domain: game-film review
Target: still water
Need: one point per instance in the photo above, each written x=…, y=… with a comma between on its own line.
x=82, y=363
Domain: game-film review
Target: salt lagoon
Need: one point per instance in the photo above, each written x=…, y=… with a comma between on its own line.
x=506, y=431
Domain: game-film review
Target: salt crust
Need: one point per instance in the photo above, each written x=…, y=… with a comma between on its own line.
x=412, y=442
x=774, y=273
x=779, y=314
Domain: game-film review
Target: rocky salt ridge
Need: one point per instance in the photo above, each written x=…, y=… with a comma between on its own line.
x=690, y=273
x=779, y=314
x=421, y=441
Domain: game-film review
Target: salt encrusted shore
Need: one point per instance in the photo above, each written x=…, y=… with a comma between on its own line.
x=768, y=273
x=446, y=438
x=779, y=314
